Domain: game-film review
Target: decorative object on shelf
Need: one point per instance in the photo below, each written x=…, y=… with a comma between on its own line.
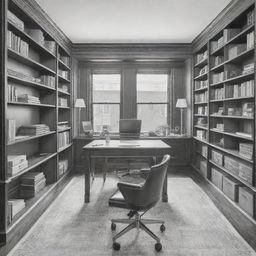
x=79, y=104
x=182, y=104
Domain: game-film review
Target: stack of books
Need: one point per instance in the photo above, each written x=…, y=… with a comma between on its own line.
x=217, y=94
x=248, y=109
x=62, y=102
x=202, y=110
x=37, y=35
x=31, y=184
x=63, y=139
x=248, y=68
x=202, y=97
x=63, y=74
x=15, y=20
x=26, y=98
x=35, y=129
x=217, y=44
x=201, y=56
x=14, y=207
x=16, y=163
x=250, y=40
x=63, y=166
x=17, y=44
x=246, y=150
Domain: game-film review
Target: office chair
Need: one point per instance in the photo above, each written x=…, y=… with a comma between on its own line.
x=140, y=198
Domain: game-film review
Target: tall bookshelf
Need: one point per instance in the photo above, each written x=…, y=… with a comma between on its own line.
x=36, y=89
x=224, y=133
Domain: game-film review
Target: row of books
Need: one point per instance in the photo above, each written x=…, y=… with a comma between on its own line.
x=201, y=56
x=201, y=84
x=250, y=40
x=245, y=89
x=234, y=50
x=14, y=207
x=217, y=44
x=202, y=97
x=63, y=139
x=17, y=44
x=64, y=74
x=217, y=77
x=16, y=163
x=43, y=79
x=12, y=93
x=31, y=183
x=202, y=110
x=203, y=70
x=32, y=130
x=26, y=98
x=63, y=166
x=217, y=94
x=62, y=102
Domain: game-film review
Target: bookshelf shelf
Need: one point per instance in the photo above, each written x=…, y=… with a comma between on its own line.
x=200, y=115
x=29, y=62
x=201, y=63
x=201, y=89
x=218, y=50
x=31, y=138
x=64, y=148
x=201, y=103
x=201, y=77
x=232, y=134
x=239, y=98
x=240, y=78
x=38, y=47
x=63, y=92
x=62, y=79
x=66, y=129
x=236, y=39
x=31, y=104
x=61, y=107
x=253, y=189
x=201, y=127
x=218, y=67
x=232, y=117
x=29, y=83
x=200, y=140
x=217, y=84
x=240, y=57
x=63, y=65
x=33, y=162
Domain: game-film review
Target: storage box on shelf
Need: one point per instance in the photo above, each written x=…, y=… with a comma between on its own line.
x=230, y=133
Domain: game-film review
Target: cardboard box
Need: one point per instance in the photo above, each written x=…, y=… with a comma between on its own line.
x=231, y=164
x=230, y=188
x=246, y=200
x=217, y=157
x=217, y=178
x=246, y=172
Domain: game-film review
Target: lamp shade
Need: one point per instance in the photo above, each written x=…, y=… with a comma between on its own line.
x=181, y=103
x=79, y=103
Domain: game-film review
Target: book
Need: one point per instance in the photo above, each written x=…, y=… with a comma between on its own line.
x=11, y=124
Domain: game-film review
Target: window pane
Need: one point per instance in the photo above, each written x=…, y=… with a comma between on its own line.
x=151, y=88
x=106, y=88
x=152, y=116
x=106, y=114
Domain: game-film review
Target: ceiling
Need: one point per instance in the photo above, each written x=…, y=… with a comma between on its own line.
x=132, y=21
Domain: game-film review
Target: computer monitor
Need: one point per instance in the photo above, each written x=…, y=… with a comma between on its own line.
x=129, y=128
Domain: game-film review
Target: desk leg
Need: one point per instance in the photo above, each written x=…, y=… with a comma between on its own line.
x=164, y=194
x=87, y=178
x=105, y=169
x=92, y=167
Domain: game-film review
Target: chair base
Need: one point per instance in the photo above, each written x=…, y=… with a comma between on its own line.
x=138, y=223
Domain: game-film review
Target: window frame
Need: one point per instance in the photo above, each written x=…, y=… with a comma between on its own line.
x=167, y=103
x=92, y=103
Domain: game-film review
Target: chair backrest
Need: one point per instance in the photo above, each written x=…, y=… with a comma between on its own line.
x=129, y=128
x=153, y=186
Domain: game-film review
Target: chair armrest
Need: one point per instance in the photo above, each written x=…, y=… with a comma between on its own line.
x=129, y=186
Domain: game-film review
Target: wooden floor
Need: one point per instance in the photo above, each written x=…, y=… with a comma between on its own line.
x=195, y=227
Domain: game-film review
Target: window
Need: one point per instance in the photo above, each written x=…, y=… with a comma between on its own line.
x=106, y=101
x=152, y=101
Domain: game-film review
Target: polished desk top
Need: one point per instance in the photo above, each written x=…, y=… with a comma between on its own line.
x=127, y=144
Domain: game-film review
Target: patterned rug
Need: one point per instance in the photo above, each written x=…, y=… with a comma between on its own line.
x=194, y=226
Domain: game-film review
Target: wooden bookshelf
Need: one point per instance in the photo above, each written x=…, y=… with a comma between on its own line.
x=229, y=126
x=34, y=54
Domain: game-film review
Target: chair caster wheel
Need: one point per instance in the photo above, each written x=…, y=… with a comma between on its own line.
x=113, y=226
x=158, y=247
x=162, y=228
x=116, y=246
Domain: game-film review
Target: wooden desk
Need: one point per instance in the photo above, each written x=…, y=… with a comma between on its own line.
x=120, y=148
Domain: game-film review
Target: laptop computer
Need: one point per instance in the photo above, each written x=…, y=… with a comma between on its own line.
x=129, y=128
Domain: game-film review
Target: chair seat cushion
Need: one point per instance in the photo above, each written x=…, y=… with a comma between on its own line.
x=117, y=200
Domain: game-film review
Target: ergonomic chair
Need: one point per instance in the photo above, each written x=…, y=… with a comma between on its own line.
x=140, y=198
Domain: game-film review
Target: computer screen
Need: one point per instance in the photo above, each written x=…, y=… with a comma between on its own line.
x=129, y=128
